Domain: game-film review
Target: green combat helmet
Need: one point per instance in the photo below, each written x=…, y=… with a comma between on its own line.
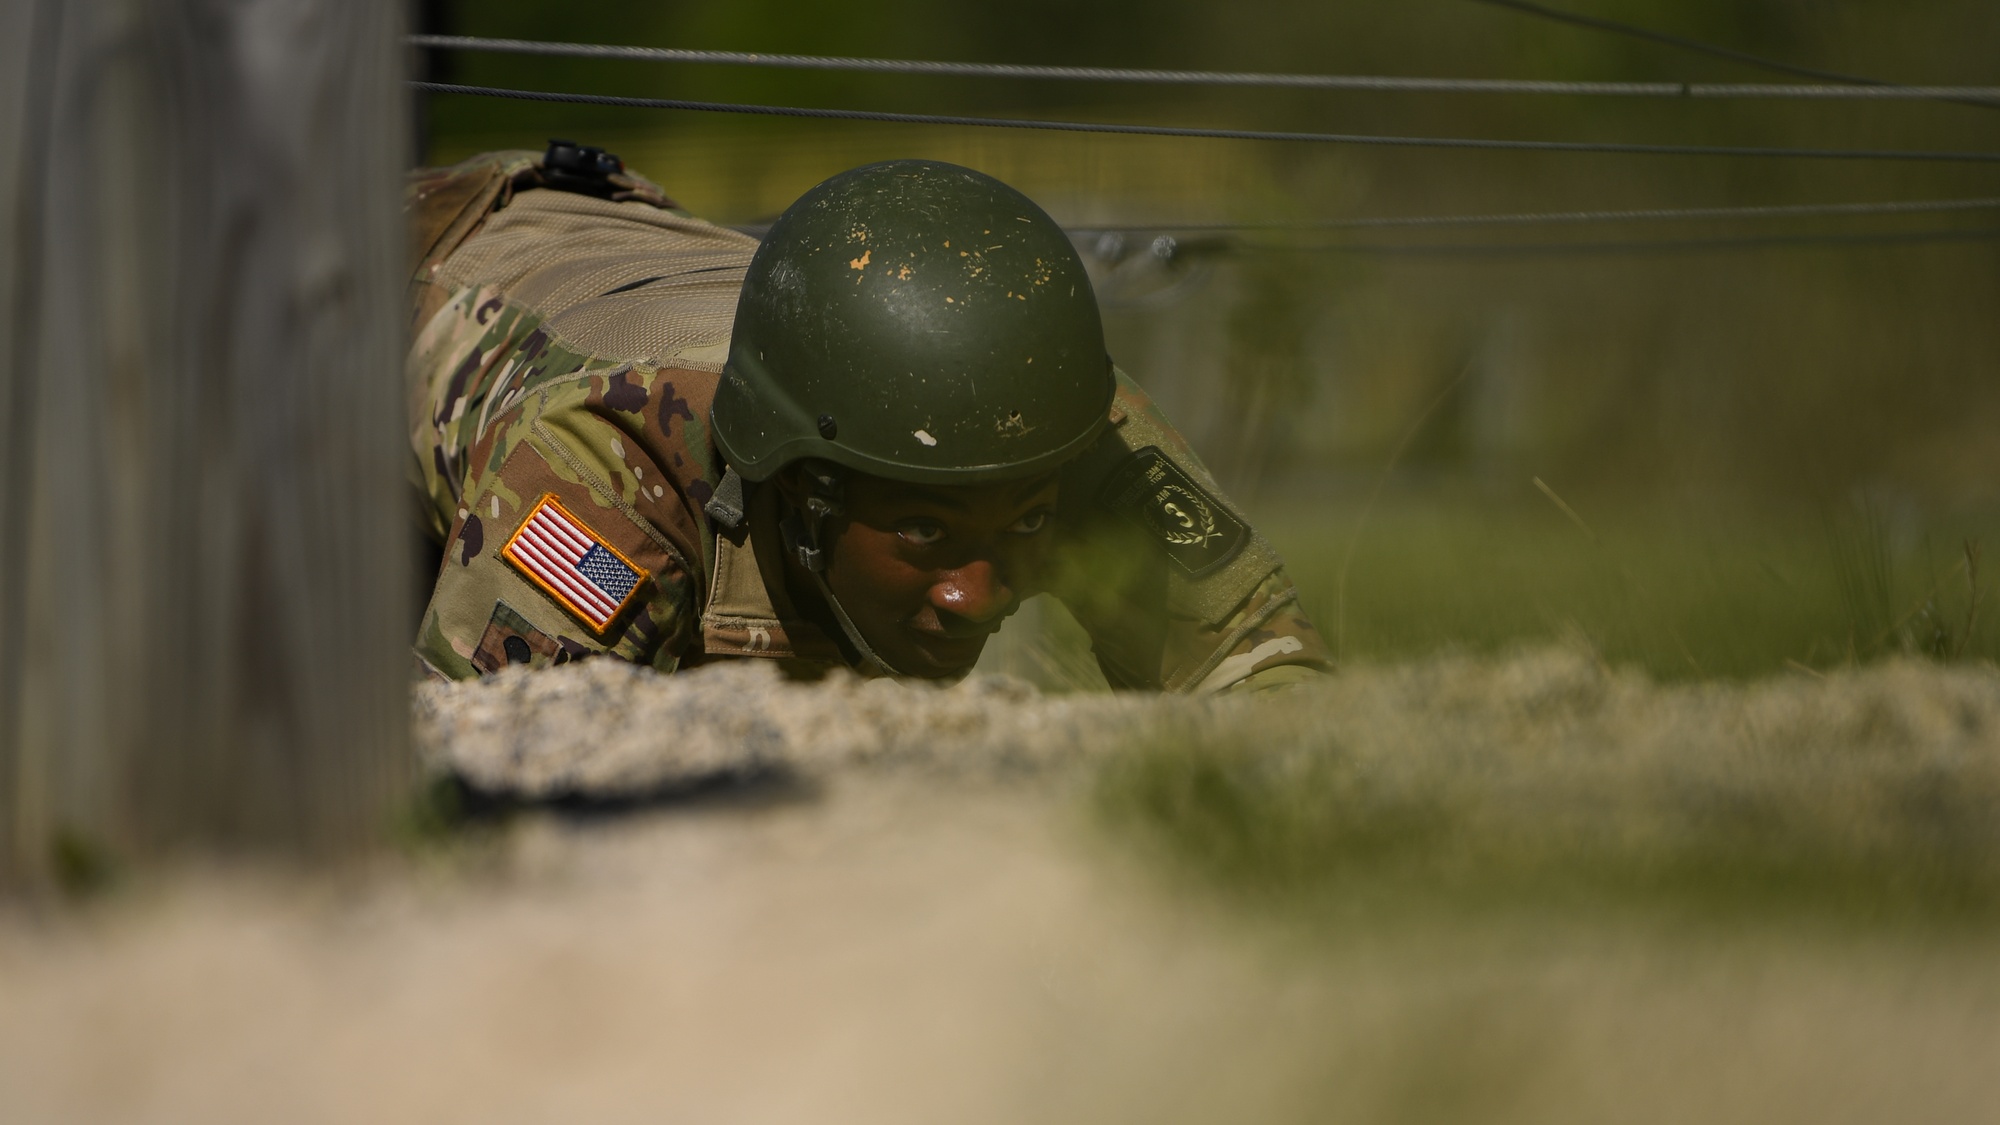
x=916, y=321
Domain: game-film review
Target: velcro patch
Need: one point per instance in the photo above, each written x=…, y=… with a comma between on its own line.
x=1197, y=532
x=572, y=564
x=510, y=639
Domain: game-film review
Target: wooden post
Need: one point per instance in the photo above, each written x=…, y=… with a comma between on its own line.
x=204, y=612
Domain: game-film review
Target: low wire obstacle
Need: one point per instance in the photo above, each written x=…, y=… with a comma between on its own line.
x=1128, y=129
x=1540, y=218
x=1982, y=98
x=1840, y=88
x=1494, y=250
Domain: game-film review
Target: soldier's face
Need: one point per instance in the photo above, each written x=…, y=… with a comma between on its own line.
x=929, y=573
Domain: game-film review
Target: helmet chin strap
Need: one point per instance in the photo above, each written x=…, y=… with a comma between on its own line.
x=824, y=499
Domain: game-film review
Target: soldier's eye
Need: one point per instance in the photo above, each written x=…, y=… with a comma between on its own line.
x=923, y=533
x=1030, y=523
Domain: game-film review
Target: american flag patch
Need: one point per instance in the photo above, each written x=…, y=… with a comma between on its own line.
x=562, y=556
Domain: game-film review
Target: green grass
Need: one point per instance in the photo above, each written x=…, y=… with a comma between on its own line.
x=1682, y=594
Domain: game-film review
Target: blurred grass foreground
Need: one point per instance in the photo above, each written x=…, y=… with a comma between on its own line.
x=1545, y=777
x=1520, y=887
x=1474, y=780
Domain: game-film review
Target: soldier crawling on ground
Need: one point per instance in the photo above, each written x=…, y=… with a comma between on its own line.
x=860, y=443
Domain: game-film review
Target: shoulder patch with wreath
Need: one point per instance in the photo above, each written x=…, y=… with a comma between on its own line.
x=1197, y=532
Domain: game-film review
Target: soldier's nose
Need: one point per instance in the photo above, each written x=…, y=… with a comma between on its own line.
x=974, y=592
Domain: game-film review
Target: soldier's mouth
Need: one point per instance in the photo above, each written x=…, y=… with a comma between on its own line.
x=946, y=651
x=933, y=622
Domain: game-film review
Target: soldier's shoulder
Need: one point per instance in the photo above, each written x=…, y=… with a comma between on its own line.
x=445, y=206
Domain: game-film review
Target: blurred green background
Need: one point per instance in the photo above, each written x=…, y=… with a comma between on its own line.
x=1772, y=457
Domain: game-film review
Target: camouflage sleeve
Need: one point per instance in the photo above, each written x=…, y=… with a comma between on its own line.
x=568, y=528
x=1177, y=591
x=549, y=558
x=1267, y=643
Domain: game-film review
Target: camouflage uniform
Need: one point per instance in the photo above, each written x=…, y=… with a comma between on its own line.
x=567, y=348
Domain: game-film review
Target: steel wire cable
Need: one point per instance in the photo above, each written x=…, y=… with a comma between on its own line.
x=1128, y=129
x=1598, y=23
x=1639, y=247
x=1222, y=242
x=1973, y=97
x=1539, y=218
x=1379, y=83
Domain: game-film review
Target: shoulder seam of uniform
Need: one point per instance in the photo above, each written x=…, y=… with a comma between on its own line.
x=598, y=485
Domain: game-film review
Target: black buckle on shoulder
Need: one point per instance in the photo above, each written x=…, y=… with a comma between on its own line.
x=585, y=169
